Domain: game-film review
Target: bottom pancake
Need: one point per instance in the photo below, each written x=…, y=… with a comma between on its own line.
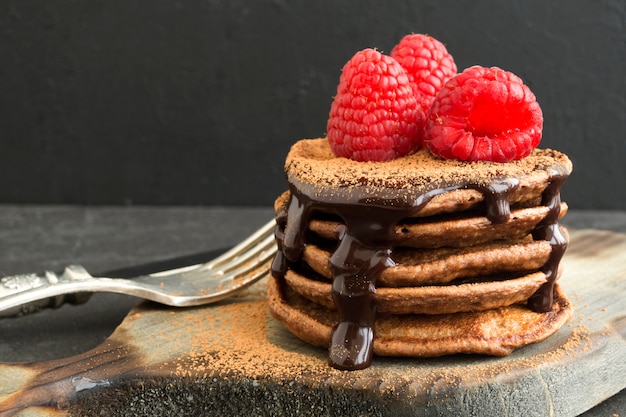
x=493, y=332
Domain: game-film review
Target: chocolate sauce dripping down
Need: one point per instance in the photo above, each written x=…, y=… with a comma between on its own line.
x=279, y=263
x=364, y=250
x=497, y=199
x=362, y=254
x=548, y=229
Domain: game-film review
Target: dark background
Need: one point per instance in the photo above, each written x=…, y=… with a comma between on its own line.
x=197, y=102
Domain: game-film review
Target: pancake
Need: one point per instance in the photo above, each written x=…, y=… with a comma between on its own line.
x=418, y=256
x=441, y=186
x=436, y=299
x=452, y=232
x=458, y=232
x=440, y=266
x=492, y=332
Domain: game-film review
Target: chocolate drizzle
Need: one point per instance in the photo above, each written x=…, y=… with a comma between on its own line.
x=366, y=244
x=549, y=230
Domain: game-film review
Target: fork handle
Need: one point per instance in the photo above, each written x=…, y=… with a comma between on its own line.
x=29, y=293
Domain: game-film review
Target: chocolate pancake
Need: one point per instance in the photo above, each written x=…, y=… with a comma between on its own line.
x=492, y=332
x=436, y=185
x=464, y=229
x=375, y=257
x=435, y=299
x=440, y=266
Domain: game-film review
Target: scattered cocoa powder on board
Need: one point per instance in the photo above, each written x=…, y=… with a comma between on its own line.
x=238, y=339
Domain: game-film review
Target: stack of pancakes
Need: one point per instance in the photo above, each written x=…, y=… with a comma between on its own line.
x=472, y=264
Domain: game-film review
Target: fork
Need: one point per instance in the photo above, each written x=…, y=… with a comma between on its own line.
x=193, y=285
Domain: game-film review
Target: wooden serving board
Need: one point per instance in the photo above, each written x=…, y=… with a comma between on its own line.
x=233, y=359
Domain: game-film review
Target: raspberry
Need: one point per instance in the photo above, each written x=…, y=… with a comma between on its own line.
x=427, y=63
x=485, y=114
x=373, y=116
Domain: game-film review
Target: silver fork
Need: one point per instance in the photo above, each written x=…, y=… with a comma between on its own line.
x=191, y=285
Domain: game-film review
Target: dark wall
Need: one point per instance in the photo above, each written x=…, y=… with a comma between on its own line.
x=197, y=102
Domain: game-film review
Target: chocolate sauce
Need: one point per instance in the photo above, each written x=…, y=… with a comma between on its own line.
x=549, y=229
x=496, y=195
x=366, y=244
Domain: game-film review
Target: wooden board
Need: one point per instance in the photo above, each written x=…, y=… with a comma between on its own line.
x=233, y=359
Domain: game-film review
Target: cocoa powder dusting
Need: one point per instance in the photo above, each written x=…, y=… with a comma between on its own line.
x=311, y=161
x=240, y=340
x=231, y=340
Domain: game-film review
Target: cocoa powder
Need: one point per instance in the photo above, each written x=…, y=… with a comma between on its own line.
x=312, y=161
x=239, y=339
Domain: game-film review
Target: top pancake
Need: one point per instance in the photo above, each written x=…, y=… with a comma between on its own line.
x=311, y=163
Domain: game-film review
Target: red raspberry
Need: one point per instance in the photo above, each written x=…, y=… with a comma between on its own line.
x=428, y=64
x=485, y=114
x=373, y=116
